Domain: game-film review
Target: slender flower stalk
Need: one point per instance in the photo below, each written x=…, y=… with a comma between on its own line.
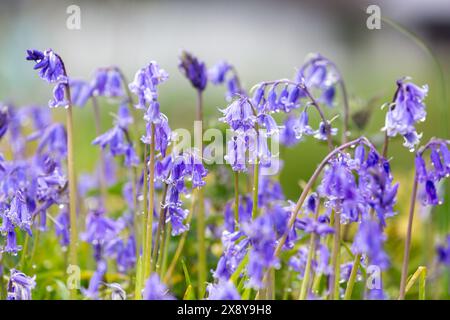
x=201, y=227
x=412, y=205
x=308, y=187
x=147, y=255
x=98, y=131
x=72, y=188
x=157, y=251
x=236, y=198
x=352, y=278
x=312, y=250
x=335, y=257
x=181, y=243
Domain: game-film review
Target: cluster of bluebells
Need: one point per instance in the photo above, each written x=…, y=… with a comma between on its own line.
x=356, y=186
x=30, y=186
x=118, y=140
x=317, y=77
x=439, y=168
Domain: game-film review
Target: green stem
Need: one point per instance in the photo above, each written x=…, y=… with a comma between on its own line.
x=352, y=278
x=306, y=277
x=101, y=163
x=408, y=240
x=160, y=230
x=35, y=245
x=236, y=199
x=202, y=270
x=24, y=254
x=2, y=280
x=179, y=250
x=311, y=253
x=165, y=252
x=147, y=255
x=255, y=188
x=334, y=279
x=201, y=245
x=73, y=246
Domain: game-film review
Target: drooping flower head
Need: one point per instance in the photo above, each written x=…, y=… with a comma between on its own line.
x=407, y=109
x=145, y=86
x=319, y=73
x=223, y=72
x=107, y=82
x=51, y=69
x=20, y=285
x=194, y=70
x=437, y=170
x=49, y=64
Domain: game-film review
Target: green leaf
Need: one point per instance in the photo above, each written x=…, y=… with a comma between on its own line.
x=189, y=294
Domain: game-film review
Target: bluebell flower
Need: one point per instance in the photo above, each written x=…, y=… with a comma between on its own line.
x=223, y=290
x=408, y=109
x=19, y=212
x=438, y=170
x=54, y=141
x=269, y=123
x=155, y=290
x=288, y=134
x=443, y=252
x=194, y=70
x=239, y=115
x=117, y=138
x=318, y=73
x=49, y=65
x=176, y=216
x=96, y=280
x=223, y=72
x=235, y=245
x=80, y=92
x=263, y=240
x=301, y=126
x=369, y=240
x=99, y=228
x=8, y=229
x=4, y=120
x=236, y=153
x=20, y=285
x=145, y=85
x=269, y=191
x=218, y=72
x=162, y=134
x=62, y=227
x=107, y=82
x=321, y=133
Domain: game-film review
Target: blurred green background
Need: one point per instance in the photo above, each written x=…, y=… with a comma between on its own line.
x=265, y=40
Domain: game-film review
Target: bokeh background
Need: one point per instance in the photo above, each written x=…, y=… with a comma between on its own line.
x=265, y=40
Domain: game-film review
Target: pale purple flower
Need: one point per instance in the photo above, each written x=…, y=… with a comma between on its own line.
x=369, y=240
x=20, y=285
x=408, y=108
x=155, y=289
x=239, y=115
x=223, y=290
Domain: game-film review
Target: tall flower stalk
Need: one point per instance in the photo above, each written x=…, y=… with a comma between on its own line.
x=53, y=70
x=195, y=71
x=426, y=178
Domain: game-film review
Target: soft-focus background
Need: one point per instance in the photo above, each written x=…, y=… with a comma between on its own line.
x=265, y=40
